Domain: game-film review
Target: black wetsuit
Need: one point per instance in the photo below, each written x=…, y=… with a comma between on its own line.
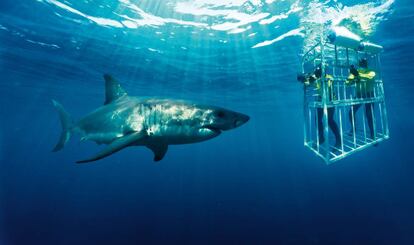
x=332, y=124
x=369, y=110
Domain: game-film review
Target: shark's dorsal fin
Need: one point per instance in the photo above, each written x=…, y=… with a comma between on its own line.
x=113, y=89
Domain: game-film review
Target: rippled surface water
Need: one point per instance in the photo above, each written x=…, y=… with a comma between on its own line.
x=254, y=185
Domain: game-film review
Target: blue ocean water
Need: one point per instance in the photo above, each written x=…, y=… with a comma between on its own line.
x=256, y=184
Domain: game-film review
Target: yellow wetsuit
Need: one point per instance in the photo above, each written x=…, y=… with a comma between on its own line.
x=318, y=85
x=365, y=82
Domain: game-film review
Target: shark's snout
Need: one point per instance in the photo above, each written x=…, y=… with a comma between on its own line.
x=232, y=120
x=242, y=119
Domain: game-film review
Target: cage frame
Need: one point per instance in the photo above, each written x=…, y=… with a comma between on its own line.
x=359, y=140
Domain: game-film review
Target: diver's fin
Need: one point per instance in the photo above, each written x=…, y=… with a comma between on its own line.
x=159, y=151
x=117, y=145
x=113, y=89
x=66, y=122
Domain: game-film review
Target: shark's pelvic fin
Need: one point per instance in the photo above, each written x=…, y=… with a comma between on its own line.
x=159, y=151
x=66, y=123
x=117, y=145
x=113, y=89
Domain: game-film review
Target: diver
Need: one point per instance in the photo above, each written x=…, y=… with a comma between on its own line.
x=315, y=80
x=364, y=79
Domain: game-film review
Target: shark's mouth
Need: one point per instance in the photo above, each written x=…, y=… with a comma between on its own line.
x=212, y=128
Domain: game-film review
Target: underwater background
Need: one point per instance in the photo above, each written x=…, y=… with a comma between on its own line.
x=256, y=184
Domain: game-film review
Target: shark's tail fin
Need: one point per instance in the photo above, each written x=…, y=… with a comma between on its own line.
x=66, y=122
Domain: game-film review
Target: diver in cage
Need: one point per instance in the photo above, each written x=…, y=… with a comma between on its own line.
x=315, y=80
x=364, y=79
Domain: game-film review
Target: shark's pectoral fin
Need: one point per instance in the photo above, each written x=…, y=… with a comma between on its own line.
x=159, y=150
x=117, y=145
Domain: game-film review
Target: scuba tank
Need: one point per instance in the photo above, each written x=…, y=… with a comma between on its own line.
x=340, y=36
x=370, y=47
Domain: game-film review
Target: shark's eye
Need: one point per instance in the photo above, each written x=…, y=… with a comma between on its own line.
x=220, y=114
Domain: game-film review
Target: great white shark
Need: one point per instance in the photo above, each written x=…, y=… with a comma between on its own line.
x=125, y=121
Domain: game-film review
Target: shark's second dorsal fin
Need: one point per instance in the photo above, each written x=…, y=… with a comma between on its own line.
x=113, y=89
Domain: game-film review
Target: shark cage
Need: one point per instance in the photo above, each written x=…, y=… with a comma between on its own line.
x=344, y=105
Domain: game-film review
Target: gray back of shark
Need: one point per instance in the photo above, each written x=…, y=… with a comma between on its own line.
x=155, y=123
